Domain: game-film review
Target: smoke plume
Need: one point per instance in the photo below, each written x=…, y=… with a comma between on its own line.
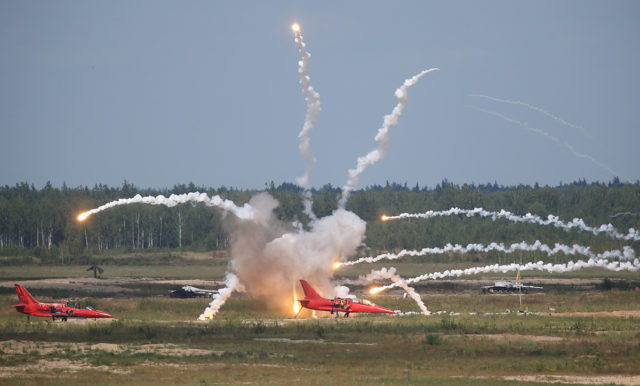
x=576, y=223
x=382, y=137
x=268, y=257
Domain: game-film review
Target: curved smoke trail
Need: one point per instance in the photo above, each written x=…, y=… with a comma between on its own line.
x=244, y=212
x=382, y=137
x=632, y=266
x=313, y=109
x=231, y=284
x=399, y=282
x=576, y=223
x=553, y=139
x=538, y=109
x=627, y=253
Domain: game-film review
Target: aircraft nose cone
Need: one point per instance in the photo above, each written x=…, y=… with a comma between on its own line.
x=386, y=310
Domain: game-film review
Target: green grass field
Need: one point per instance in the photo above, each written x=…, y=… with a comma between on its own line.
x=567, y=336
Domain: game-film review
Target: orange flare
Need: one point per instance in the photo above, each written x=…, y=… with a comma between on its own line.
x=375, y=290
x=336, y=265
x=295, y=27
x=83, y=216
x=384, y=217
x=296, y=304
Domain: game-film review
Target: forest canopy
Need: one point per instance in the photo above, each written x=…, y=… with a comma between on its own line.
x=43, y=221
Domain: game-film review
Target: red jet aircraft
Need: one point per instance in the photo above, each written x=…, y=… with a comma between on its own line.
x=313, y=301
x=30, y=306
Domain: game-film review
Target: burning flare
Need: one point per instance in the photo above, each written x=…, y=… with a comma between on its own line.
x=375, y=290
x=296, y=304
x=384, y=217
x=336, y=265
x=83, y=216
x=295, y=27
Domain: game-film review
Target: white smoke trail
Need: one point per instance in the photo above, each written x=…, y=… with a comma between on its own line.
x=399, y=282
x=623, y=214
x=382, y=137
x=632, y=266
x=553, y=139
x=627, y=253
x=576, y=223
x=232, y=283
x=313, y=109
x=538, y=109
x=244, y=212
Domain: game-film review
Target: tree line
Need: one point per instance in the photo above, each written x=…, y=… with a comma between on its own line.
x=42, y=222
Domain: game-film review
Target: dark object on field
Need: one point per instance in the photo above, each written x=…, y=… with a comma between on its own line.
x=188, y=291
x=507, y=286
x=97, y=271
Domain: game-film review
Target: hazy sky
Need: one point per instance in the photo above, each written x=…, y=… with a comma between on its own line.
x=167, y=92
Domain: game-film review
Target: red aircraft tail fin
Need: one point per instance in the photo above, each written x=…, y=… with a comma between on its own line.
x=24, y=296
x=309, y=292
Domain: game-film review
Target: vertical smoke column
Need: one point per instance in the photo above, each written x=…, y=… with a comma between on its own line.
x=382, y=138
x=313, y=109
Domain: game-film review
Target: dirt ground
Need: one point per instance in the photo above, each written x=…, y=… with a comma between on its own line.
x=583, y=380
x=105, y=285
x=13, y=347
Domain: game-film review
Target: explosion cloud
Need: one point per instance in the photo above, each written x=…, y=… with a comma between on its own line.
x=268, y=257
x=551, y=219
x=382, y=137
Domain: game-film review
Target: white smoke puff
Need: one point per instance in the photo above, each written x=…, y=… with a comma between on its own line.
x=576, y=223
x=313, y=110
x=232, y=283
x=245, y=212
x=341, y=291
x=391, y=274
x=382, y=137
x=268, y=258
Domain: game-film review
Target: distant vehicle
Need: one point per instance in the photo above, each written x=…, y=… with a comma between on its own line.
x=507, y=286
x=30, y=306
x=313, y=301
x=188, y=291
